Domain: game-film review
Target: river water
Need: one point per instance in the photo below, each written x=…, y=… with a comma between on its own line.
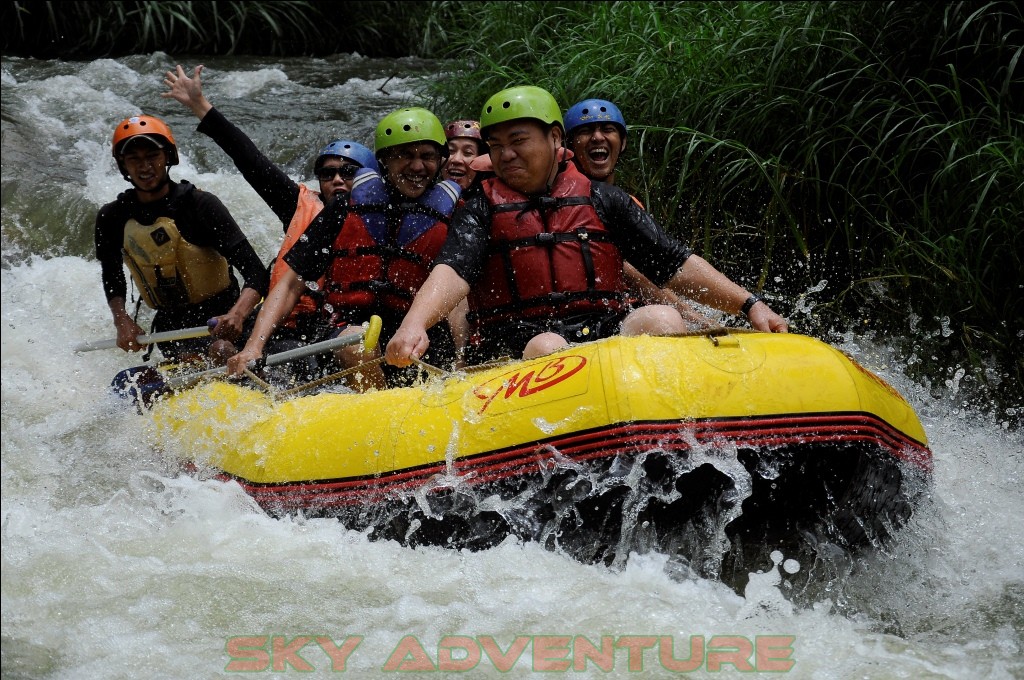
x=116, y=566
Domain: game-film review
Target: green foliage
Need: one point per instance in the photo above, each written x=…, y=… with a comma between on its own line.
x=93, y=29
x=89, y=29
x=875, y=145
x=389, y=28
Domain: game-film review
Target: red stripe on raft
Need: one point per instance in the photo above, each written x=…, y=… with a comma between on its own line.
x=628, y=438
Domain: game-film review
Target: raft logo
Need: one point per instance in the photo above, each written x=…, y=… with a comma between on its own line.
x=529, y=380
x=548, y=653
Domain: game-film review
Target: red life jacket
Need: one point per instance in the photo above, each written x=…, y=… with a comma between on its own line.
x=383, y=253
x=548, y=255
x=308, y=207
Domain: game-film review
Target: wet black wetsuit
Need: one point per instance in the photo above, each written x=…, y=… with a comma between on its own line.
x=202, y=220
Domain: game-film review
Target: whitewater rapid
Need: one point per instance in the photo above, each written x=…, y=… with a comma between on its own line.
x=115, y=565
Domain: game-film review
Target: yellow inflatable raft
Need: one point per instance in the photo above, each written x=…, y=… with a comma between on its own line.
x=679, y=443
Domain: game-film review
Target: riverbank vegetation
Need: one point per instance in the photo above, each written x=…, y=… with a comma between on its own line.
x=85, y=30
x=862, y=163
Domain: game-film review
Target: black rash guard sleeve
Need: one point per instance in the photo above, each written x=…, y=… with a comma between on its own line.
x=641, y=241
x=311, y=254
x=465, y=248
x=228, y=240
x=201, y=219
x=109, y=237
x=277, y=190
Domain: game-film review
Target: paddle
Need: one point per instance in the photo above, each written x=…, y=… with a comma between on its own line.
x=165, y=336
x=369, y=335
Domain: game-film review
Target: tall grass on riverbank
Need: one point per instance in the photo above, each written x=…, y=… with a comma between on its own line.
x=876, y=146
x=84, y=30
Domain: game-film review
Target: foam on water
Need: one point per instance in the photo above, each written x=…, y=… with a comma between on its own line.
x=115, y=565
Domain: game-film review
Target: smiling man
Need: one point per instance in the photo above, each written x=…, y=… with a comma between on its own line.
x=596, y=133
x=180, y=244
x=539, y=252
x=373, y=248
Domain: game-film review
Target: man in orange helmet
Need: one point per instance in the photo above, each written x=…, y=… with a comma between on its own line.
x=180, y=245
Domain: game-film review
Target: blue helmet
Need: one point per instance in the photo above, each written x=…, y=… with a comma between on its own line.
x=353, y=151
x=593, y=111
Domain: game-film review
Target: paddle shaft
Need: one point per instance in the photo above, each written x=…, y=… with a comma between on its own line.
x=276, y=359
x=165, y=336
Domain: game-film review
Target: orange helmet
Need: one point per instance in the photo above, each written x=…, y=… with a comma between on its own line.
x=153, y=129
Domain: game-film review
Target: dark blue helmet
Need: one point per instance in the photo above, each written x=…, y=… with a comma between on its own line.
x=353, y=151
x=593, y=111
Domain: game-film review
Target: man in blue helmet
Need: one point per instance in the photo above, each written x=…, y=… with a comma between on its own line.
x=539, y=252
x=595, y=131
x=294, y=203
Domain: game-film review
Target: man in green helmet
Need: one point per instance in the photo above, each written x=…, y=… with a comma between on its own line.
x=539, y=252
x=373, y=247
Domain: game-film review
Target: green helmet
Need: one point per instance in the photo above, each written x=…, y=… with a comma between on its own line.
x=525, y=101
x=409, y=125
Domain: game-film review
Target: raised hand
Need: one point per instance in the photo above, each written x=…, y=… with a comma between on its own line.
x=188, y=91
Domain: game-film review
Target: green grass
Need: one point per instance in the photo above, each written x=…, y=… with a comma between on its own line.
x=89, y=29
x=874, y=145
x=293, y=27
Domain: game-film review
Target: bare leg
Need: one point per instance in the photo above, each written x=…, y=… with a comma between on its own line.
x=542, y=344
x=220, y=351
x=352, y=355
x=654, y=320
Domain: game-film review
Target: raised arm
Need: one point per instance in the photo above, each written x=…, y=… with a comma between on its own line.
x=275, y=187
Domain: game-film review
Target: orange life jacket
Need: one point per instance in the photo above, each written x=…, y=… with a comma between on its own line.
x=306, y=210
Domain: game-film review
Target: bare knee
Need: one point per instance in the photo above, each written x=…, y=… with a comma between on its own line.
x=369, y=375
x=654, y=320
x=220, y=351
x=542, y=344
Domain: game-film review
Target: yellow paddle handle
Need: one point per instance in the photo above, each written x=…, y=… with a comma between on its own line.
x=372, y=334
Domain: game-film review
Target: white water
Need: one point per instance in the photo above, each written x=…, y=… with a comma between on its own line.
x=115, y=566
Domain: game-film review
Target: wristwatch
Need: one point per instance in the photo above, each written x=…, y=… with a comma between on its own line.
x=749, y=304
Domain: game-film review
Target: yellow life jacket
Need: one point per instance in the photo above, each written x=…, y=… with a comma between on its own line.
x=168, y=270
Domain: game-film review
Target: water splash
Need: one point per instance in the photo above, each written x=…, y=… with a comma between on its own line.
x=762, y=594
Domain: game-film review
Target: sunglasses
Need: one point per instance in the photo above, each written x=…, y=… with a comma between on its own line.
x=327, y=174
